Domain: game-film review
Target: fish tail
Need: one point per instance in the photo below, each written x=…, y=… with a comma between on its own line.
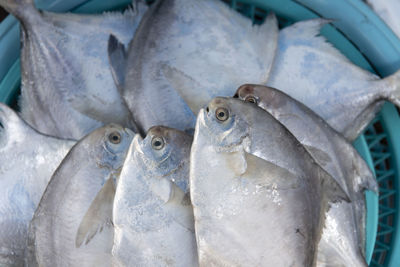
x=22, y=9
x=9, y=119
x=394, y=82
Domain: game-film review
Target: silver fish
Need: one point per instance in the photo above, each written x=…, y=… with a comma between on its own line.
x=67, y=86
x=388, y=11
x=94, y=161
x=184, y=53
x=258, y=197
x=346, y=236
x=28, y=160
x=153, y=217
x=312, y=71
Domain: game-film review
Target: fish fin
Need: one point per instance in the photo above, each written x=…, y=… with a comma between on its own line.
x=117, y=59
x=394, y=81
x=332, y=189
x=22, y=9
x=309, y=32
x=10, y=121
x=98, y=215
x=362, y=121
x=367, y=179
x=164, y=189
x=237, y=161
x=185, y=86
x=265, y=40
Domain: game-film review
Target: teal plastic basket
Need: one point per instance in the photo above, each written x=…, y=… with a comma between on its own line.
x=356, y=31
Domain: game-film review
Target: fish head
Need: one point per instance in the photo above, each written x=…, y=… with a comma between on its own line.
x=163, y=152
x=110, y=144
x=266, y=97
x=224, y=122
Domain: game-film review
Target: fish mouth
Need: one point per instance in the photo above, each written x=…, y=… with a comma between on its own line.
x=137, y=144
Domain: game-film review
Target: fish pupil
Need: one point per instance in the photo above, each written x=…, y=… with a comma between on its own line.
x=157, y=143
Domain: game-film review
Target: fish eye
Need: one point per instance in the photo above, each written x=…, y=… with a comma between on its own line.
x=251, y=99
x=222, y=114
x=114, y=137
x=157, y=143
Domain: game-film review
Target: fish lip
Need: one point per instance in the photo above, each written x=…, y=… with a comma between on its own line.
x=137, y=143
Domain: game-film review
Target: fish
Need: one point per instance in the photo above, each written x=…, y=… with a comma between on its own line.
x=258, y=197
x=153, y=216
x=388, y=11
x=28, y=160
x=312, y=71
x=92, y=165
x=184, y=53
x=344, y=232
x=77, y=94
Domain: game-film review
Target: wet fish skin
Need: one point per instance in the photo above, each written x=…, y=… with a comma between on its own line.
x=174, y=68
x=92, y=162
x=77, y=94
x=255, y=191
x=312, y=71
x=153, y=217
x=337, y=157
x=28, y=160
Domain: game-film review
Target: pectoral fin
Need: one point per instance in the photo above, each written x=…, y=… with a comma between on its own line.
x=117, y=60
x=191, y=91
x=98, y=216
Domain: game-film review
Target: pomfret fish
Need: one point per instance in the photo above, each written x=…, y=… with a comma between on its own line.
x=258, y=197
x=388, y=11
x=337, y=157
x=67, y=86
x=312, y=71
x=184, y=53
x=94, y=161
x=153, y=217
x=28, y=160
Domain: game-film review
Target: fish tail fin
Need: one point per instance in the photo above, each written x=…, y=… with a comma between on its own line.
x=265, y=39
x=22, y=9
x=394, y=81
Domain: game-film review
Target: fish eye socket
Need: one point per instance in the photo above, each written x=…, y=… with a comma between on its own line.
x=114, y=137
x=251, y=99
x=222, y=114
x=157, y=143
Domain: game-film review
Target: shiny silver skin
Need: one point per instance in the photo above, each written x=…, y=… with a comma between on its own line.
x=337, y=157
x=87, y=167
x=185, y=52
x=258, y=197
x=312, y=71
x=153, y=217
x=388, y=11
x=67, y=86
x=27, y=162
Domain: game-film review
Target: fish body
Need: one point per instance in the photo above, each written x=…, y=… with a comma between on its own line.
x=388, y=11
x=92, y=162
x=345, y=226
x=312, y=71
x=67, y=87
x=28, y=160
x=153, y=216
x=185, y=52
x=258, y=197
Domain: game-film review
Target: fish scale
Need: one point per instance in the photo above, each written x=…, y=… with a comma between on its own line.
x=77, y=94
x=28, y=162
x=91, y=163
x=272, y=196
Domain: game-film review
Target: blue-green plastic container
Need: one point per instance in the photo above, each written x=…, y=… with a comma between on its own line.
x=357, y=32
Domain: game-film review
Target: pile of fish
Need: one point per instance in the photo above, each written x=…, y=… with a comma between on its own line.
x=156, y=137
